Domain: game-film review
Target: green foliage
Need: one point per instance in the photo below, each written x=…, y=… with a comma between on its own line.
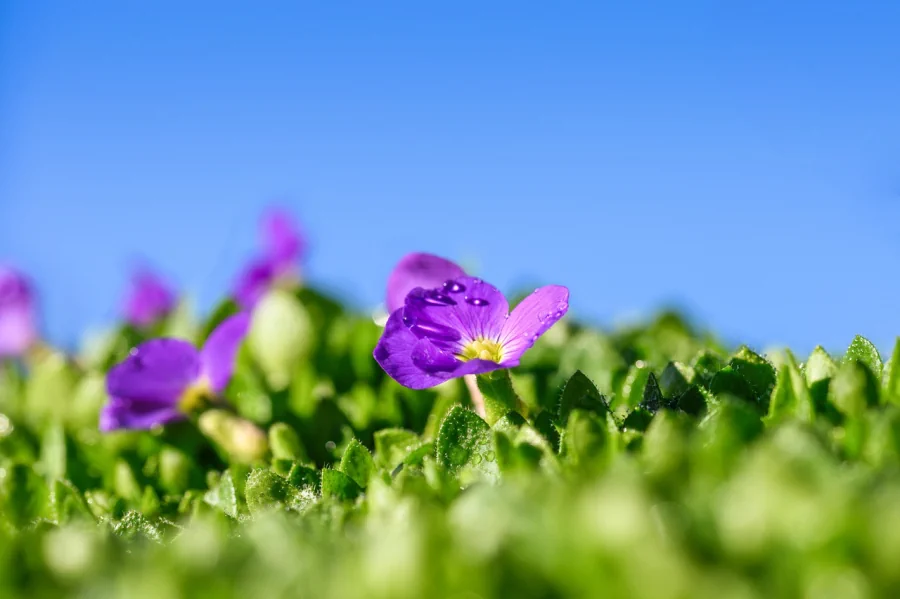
x=645, y=463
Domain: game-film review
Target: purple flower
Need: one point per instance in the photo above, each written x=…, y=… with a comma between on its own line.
x=418, y=270
x=283, y=246
x=463, y=327
x=163, y=379
x=148, y=300
x=18, y=329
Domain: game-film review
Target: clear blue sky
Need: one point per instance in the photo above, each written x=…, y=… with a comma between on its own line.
x=739, y=158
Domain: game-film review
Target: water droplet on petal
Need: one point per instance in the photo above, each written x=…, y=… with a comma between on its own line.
x=534, y=337
x=433, y=297
x=477, y=301
x=562, y=306
x=433, y=330
x=544, y=316
x=454, y=287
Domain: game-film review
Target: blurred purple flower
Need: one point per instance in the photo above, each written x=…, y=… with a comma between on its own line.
x=148, y=299
x=418, y=270
x=463, y=327
x=18, y=328
x=164, y=379
x=283, y=246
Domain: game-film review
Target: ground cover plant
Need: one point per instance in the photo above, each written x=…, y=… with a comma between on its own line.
x=271, y=452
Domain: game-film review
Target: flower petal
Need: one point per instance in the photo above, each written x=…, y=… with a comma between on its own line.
x=156, y=371
x=418, y=270
x=462, y=310
x=282, y=239
x=148, y=299
x=218, y=354
x=253, y=283
x=18, y=329
x=532, y=318
x=121, y=413
x=419, y=363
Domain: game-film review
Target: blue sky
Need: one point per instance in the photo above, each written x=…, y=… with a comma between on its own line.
x=739, y=159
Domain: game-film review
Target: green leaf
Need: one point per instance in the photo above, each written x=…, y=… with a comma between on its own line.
x=758, y=373
x=862, y=350
x=653, y=398
x=853, y=388
x=302, y=477
x=265, y=491
x=280, y=336
x=285, y=443
x=675, y=379
x=544, y=424
x=892, y=375
x=579, y=394
x=464, y=440
x=134, y=526
x=499, y=395
x=125, y=483
x=791, y=398
x=53, y=452
x=176, y=470
x=705, y=365
x=392, y=445
x=246, y=389
x=67, y=503
x=357, y=463
x=638, y=419
x=586, y=441
x=338, y=485
x=223, y=496
x=728, y=382
x=631, y=392
x=24, y=495
x=150, y=503
x=819, y=366
x=692, y=401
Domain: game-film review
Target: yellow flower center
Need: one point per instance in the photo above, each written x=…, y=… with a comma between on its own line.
x=482, y=349
x=195, y=396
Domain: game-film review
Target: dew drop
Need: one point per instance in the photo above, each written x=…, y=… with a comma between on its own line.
x=544, y=316
x=330, y=445
x=433, y=330
x=454, y=287
x=489, y=456
x=433, y=297
x=477, y=301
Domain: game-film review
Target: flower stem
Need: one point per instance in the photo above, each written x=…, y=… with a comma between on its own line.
x=499, y=395
x=475, y=394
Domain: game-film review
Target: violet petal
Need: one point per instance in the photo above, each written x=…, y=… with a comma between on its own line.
x=218, y=355
x=157, y=371
x=419, y=363
x=121, y=413
x=418, y=270
x=148, y=299
x=18, y=328
x=253, y=283
x=478, y=311
x=532, y=318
